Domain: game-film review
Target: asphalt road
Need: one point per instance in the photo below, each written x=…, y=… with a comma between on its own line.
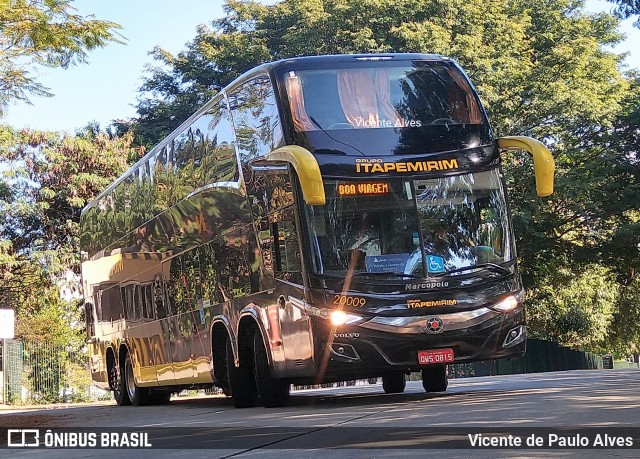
x=363, y=422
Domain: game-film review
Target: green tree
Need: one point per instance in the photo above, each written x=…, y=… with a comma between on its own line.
x=627, y=8
x=538, y=65
x=575, y=308
x=625, y=330
x=46, y=179
x=43, y=32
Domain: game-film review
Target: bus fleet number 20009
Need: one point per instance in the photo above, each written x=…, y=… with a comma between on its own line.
x=344, y=300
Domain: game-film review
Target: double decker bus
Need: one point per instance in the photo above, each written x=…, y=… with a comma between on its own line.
x=321, y=219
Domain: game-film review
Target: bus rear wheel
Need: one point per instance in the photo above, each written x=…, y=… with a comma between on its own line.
x=393, y=383
x=242, y=384
x=137, y=395
x=274, y=392
x=434, y=379
x=116, y=381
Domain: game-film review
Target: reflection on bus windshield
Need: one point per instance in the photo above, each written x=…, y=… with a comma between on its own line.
x=387, y=97
x=453, y=222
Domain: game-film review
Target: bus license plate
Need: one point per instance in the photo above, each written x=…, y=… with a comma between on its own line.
x=435, y=356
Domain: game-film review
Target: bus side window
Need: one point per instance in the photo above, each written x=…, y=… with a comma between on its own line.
x=161, y=181
x=286, y=247
x=231, y=258
x=146, y=301
x=136, y=199
x=112, y=304
x=89, y=320
x=256, y=119
x=159, y=297
x=175, y=293
x=191, y=282
x=223, y=166
x=183, y=154
x=208, y=274
x=131, y=300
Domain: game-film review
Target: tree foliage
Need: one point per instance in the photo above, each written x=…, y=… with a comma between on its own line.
x=46, y=179
x=625, y=335
x=627, y=8
x=538, y=65
x=43, y=32
x=575, y=307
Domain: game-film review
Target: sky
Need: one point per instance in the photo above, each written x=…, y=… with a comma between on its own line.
x=106, y=88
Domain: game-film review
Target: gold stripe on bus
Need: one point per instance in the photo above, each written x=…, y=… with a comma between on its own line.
x=148, y=377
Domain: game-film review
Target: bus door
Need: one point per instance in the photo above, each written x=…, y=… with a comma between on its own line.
x=162, y=350
x=196, y=321
x=179, y=329
x=97, y=364
x=286, y=262
x=295, y=324
x=189, y=325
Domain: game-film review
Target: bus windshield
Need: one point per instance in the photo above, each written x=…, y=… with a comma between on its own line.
x=394, y=106
x=423, y=227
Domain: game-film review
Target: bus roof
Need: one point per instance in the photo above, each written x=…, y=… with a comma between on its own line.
x=322, y=60
x=336, y=58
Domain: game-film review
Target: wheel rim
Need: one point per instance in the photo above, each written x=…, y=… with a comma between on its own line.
x=131, y=383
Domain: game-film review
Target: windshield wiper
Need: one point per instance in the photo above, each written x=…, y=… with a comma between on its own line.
x=319, y=126
x=490, y=266
x=377, y=274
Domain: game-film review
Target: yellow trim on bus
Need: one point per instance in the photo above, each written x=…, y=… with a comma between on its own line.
x=543, y=163
x=307, y=169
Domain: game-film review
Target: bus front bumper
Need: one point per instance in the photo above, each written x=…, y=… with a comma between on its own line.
x=393, y=343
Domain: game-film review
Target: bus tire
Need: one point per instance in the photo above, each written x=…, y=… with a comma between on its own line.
x=242, y=384
x=274, y=392
x=434, y=379
x=137, y=395
x=116, y=381
x=393, y=383
x=220, y=374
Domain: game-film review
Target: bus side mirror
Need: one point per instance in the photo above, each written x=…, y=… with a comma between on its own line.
x=543, y=163
x=307, y=168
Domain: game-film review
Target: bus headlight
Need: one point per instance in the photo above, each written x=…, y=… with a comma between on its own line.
x=339, y=317
x=506, y=305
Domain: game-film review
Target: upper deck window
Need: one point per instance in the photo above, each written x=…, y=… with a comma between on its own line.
x=404, y=96
x=378, y=108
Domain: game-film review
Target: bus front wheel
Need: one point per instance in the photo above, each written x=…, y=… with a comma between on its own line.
x=393, y=383
x=434, y=379
x=274, y=392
